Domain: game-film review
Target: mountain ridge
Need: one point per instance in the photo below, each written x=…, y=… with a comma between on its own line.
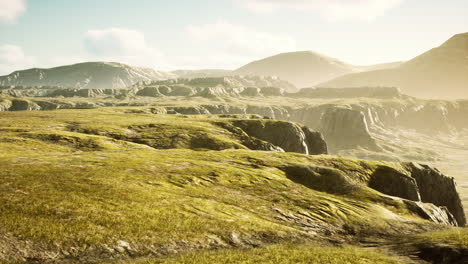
x=441, y=72
x=84, y=75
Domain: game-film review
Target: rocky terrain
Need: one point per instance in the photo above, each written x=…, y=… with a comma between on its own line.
x=194, y=169
x=441, y=72
x=138, y=185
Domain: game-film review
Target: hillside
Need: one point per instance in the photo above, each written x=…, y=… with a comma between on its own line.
x=303, y=69
x=441, y=72
x=124, y=185
x=84, y=75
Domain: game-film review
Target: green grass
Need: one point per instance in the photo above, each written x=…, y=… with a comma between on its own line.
x=457, y=237
x=285, y=254
x=81, y=193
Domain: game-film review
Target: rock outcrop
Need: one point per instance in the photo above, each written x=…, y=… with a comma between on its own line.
x=346, y=128
x=23, y=105
x=390, y=181
x=437, y=214
x=438, y=189
x=286, y=135
x=421, y=184
x=315, y=142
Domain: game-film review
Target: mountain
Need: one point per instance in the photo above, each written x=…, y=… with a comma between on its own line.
x=85, y=75
x=303, y=68
x=441, y=72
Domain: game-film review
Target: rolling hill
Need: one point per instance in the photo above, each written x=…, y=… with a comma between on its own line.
x=303, y=68
x=441, y=72
x=85, y=75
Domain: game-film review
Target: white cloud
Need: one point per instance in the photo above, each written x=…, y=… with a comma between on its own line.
x=121, y=45
x=13, y=58
x=11, y=9
x=329, y=9
x=222, y=43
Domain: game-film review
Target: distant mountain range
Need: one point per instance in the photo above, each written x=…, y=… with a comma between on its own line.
x=85, y=75
x=441, y=72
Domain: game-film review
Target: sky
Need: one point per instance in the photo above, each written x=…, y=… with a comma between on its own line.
x=226, y=34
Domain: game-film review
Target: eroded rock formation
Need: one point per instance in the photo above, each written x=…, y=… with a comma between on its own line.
x=286, y=135
x=438, y=189
x=346, y=128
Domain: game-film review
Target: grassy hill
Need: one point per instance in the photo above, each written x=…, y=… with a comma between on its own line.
x=89, y=195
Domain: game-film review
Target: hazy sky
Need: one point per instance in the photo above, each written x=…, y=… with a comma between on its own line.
x=220, y=33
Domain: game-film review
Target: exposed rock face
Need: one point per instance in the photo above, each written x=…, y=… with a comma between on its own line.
x=23, y=105
x=346, y=128
x=417, y=118
x=372, y=92
x=5, y=104
x=389, y=181
x=315, y=142
x=421, y=183
x=438, y=189
x=436, y=214
x=285, y=135
x=248, y=141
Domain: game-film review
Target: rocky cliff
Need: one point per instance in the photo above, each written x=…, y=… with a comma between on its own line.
x=288, y=136
x=421, y=183
x=438, y=189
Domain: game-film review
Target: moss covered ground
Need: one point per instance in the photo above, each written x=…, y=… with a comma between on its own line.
x=77, y=187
